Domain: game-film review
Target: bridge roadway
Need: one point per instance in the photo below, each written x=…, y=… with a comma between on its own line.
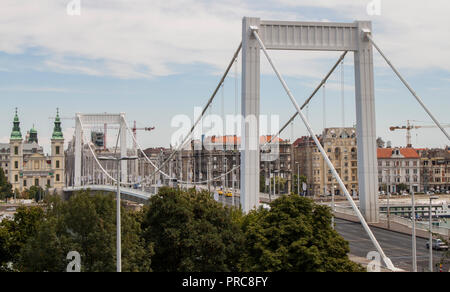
x=129, y=194
x=142, y=197
x=397, y=246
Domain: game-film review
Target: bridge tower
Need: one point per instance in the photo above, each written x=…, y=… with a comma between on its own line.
x=82, y=120
x=316, y=36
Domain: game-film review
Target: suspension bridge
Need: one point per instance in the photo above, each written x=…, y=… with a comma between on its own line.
x=90, y=171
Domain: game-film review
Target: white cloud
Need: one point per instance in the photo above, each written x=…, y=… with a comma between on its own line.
x=33, y=89
x=141, y=39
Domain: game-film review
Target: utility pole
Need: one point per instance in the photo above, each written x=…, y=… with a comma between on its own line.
x=414, y=242
x=234, y=186
x=118, y=205
x=431, y=232
x=333, y=206
x=388, y=211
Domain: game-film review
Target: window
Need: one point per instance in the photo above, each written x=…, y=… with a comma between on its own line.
x=48, y=183
x=16, y=178
x=57, y=163
x=16, y=164
x=16, y=150
x=36, y=182
x=57, y=150
x=25, y=183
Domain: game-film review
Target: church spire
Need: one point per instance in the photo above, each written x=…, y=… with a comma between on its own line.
x=57, y=131
x=16, y=134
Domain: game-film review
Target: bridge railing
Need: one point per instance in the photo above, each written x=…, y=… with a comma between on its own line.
x=399, y=220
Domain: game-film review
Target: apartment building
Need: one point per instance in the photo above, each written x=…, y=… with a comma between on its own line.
x=340, y=146
x=435, y=170
x=397, y=167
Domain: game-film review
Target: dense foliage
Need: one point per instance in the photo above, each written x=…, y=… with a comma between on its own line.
x=85, y=224
x=5, y=187
x=295, y=235
x=178, y=231
x=192, y=233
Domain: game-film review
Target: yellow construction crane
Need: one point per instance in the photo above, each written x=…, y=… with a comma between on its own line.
x=409, y=127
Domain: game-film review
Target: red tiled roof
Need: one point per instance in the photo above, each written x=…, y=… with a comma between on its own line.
x=406, y=152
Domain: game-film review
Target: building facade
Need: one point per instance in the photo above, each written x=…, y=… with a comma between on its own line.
x=25, y=163
x=435, y=170
x=205, y=161
x=399, y=167
x=340, y=146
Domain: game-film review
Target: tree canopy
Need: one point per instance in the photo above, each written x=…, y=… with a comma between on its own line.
x=295, y=235
x=5, y=187
x=192, y=233
x=179, y=231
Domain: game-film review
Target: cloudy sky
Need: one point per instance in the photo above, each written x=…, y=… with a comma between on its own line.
x=156, y=59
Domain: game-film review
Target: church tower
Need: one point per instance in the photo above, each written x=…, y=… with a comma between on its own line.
x=16, y=155
x=58, y=164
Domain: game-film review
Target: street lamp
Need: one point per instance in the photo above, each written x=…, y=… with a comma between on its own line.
x=118, y=238
x=298, y=178
x=414, y=242
x=431, y=231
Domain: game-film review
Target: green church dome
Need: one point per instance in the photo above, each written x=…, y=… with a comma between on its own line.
x=16, y=134
x=57, y=131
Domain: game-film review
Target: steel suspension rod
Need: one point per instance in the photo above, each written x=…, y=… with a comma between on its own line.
x=368, y=35
x=310, y=97
x=186, y=139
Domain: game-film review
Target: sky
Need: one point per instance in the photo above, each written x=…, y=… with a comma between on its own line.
x=155, y=60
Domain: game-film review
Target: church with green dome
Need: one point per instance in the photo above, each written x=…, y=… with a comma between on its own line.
x=25, y=163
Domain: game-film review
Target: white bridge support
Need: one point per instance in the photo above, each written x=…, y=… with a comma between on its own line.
x=316, y=36
x=82, y=120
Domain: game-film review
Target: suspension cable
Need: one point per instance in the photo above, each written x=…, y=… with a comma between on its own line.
x=98, y=162
x=142, y=151
x=341, y=58
x=186, y=139
x=388, y=262
x=369, y=37
x=306, y=104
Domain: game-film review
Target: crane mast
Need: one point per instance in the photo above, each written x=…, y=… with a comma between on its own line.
x=409, y=127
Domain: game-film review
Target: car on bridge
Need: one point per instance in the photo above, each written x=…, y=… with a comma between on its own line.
x=438, y=245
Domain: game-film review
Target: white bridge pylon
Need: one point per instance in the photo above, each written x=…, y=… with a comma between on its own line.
x=312, y=36
x=82, y=120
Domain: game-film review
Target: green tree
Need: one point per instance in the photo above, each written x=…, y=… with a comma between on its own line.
x=296, y=181
x=36, y=193
x=5, y=187
x=14, y=234
x=402, y=187
x=192, y=233
x=86, y=224
x=295, y=235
